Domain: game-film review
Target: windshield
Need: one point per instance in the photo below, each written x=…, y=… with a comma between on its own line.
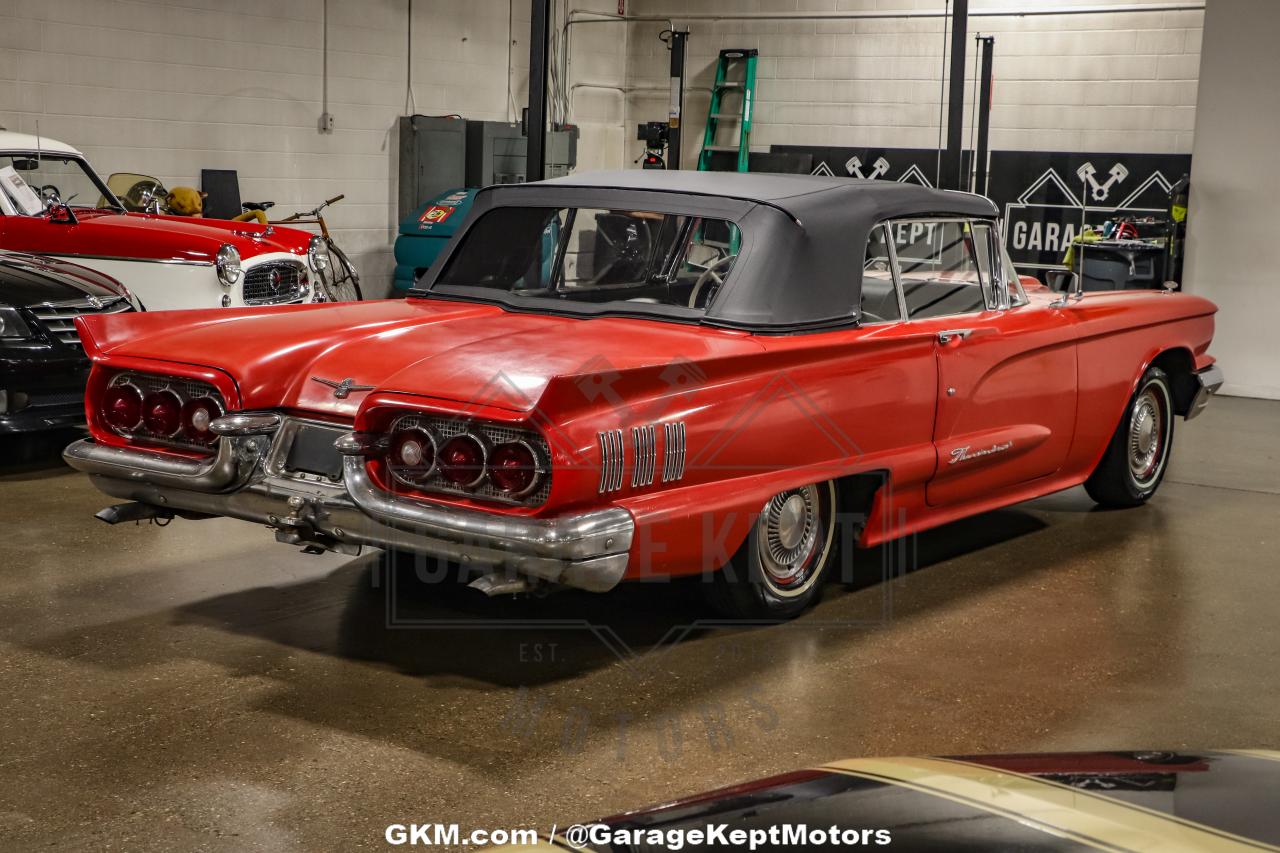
x=625, y=258
x=28, y=183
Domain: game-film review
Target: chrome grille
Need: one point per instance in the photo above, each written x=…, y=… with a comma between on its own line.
x=445, y=428
x=59, y=318
x=673, y=451
x=645, y=441
x=613, y=459
x=274, y=283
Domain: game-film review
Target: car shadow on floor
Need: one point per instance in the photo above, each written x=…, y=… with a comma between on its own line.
x=394, y=618
x=34, y=456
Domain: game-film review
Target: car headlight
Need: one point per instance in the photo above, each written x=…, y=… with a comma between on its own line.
x=228, y=264
x=12, y=326
x=318, y=254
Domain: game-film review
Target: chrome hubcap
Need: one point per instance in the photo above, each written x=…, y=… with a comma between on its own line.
x=789, y=536
x=791, y=522
x=1146, y=437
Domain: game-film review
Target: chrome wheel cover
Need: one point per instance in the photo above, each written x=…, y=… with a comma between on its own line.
x=1148, y=435
x=794, y=533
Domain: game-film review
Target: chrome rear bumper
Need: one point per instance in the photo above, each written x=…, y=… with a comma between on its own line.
x=587, y=550
x=1208, y=381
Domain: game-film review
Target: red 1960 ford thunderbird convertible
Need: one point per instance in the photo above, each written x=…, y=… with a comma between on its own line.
x=637, y=374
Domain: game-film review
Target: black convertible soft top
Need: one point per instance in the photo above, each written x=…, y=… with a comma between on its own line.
x=804, y=237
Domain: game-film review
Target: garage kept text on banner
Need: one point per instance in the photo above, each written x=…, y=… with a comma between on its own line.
x=1039, y=193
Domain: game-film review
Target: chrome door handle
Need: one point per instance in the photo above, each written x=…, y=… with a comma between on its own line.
x=951, y=334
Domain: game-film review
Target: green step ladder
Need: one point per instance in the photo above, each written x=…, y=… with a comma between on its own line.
x=736, y=76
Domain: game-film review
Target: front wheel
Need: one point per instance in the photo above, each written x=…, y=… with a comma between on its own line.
x=343, y=285
x=778, y=571
x=1135, y=461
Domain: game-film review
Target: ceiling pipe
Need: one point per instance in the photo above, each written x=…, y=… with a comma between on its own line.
x=587, y=16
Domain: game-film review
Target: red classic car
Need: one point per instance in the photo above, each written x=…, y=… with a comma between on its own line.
x=52, y=203
x=638, y=374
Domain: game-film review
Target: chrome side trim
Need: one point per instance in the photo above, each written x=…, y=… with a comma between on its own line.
x=645, y=441
x=226, y=468
x=182, y=261
x=673, y=451
x=1210, y=380
x=613, y=460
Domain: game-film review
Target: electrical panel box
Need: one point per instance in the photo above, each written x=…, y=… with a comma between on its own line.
x=433, y=159
x=497, y=153
x=439, y=154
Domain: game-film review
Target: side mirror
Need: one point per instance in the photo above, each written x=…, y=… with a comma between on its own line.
x=1065, y=282
x=61, y=214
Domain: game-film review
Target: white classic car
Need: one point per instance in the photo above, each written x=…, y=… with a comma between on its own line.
x=53, y=203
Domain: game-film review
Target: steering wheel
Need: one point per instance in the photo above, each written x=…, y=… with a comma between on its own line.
x=712, y=275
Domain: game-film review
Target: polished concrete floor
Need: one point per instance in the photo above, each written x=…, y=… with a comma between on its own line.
x=199, y=687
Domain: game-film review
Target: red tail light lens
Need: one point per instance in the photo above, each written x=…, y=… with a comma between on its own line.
x=462, y=460
x=412, y=455
x=197, y=414
x=513, y=468
x=122, y=407
x=162, y=413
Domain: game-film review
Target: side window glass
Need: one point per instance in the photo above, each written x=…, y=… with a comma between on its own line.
x=879, y=296
x=1017, y=296
x=939, y=267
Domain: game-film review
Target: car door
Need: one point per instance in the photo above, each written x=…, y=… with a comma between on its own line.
x=1006, y=368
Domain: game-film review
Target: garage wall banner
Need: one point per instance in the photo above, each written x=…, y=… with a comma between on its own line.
x=906, y=165
x=1041, y=196
x=1040, y=193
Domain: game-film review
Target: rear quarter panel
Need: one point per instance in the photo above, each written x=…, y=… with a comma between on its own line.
x=1120, y=335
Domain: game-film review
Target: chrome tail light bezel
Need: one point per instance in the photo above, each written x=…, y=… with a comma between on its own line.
x=488, y=436
x=184, y=389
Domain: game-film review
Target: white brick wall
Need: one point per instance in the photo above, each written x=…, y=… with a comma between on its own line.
x=1115, y=81
x=169, y=88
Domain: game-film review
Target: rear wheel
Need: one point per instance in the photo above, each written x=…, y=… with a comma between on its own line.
x=1135, y=461
x=778, y=571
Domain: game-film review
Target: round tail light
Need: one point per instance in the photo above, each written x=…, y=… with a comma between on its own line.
x=197, y=414
x=162, y=413
x=462, y=460
x=122, y=407
x=513, y=468
x=412, y=455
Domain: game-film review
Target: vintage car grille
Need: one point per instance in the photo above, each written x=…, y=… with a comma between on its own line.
x=59, y=318
x=274, y=283
x=445, y=428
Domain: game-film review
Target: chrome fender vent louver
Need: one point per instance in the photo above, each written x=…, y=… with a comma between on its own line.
x=645, y=439
x=613, y=458
x=644, y=452
x=673, y=451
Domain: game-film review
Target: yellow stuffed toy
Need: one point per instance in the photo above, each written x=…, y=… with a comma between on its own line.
x=188, y=201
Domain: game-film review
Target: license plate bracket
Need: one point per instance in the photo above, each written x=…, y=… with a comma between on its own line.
x=312, y=451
